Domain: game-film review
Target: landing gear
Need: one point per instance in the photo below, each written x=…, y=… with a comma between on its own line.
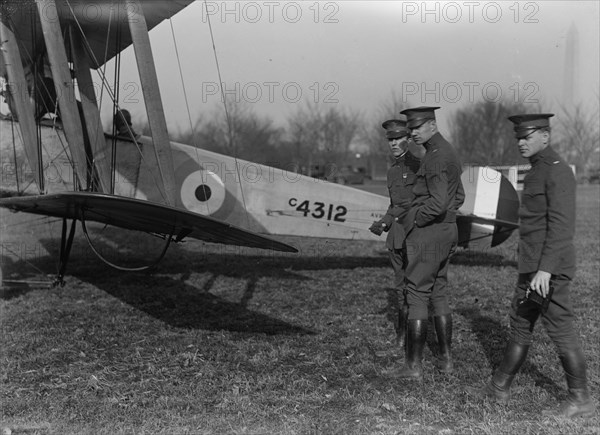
x=65, y=249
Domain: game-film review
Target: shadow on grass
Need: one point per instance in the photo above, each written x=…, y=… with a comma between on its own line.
x=163, y=291
x=185, y=306
x=493, y=338
x=171, y=300
x=21, y=277
x=392, y=307
x=477, y=258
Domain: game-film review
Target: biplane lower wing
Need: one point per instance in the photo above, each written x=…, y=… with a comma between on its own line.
x=134, y=214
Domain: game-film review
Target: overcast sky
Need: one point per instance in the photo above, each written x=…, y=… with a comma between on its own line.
x=353, y=54
x=275, y=55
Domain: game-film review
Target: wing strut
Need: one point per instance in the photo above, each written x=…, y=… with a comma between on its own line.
x=65, y=90
x=19, y=94
x=152, y=98
x=91, y=115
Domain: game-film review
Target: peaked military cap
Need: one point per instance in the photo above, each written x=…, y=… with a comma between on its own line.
x=396, y=128
x=417, y=116
x=526, y=124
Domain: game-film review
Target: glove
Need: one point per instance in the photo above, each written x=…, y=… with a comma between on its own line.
x=377, y=228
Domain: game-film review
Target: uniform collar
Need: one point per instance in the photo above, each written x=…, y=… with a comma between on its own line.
x=401, y=158
x=544, y=155
x=434, y=142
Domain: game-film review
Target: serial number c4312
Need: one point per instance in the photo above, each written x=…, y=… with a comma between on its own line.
x=319, y=210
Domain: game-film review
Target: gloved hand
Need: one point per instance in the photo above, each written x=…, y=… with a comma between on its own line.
x=377, y=228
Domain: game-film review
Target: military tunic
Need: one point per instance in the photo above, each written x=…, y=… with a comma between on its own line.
x=400, y=181
x=547, y=228
x=547, y=216
x=433, y=234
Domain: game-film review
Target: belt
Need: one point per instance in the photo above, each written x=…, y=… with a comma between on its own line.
x=448, y=217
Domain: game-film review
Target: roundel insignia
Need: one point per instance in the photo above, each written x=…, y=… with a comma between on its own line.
x=203, y=192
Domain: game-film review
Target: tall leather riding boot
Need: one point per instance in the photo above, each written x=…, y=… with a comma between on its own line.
x=415, y=342
x=402, y=319
x=578, y=402
x=443, y=330
x=498, y=388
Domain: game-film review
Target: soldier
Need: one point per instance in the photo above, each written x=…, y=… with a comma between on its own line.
x=400, y=180
x=546, y=259
x=123, y=124
x=431, y=238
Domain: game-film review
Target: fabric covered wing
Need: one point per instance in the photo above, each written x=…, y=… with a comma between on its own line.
x=103, y=22
x=134, y=214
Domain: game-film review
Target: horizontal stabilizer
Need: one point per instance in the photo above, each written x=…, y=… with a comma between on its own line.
x=489, y=221
x=134, y=214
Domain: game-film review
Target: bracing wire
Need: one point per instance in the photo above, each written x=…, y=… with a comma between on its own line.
x=115, y=108
x=6, y=246
x=108, y=29
x=227, y=117
x=116, y=266
x=39, y=163
x=105, y=85
x=12, y=129
x=187, y=104
x=40, y=145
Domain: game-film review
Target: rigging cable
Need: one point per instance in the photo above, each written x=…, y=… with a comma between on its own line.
x=227, y=117
x=107, y=38
x=111, y=95
x=115, y=105
x=116, y=112
x=40, y=166
x=24, y=281
x=33, y=36
x=12, y=128
x=40, y=145
x=23, y=258
x=115, y=266
x=187, y=106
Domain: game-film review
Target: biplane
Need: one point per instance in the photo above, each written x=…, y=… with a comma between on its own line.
x=83, y=171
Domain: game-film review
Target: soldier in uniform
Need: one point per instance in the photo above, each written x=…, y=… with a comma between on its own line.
x=123, y=125
x=400, y=180
x=431, y=237
x=546, y=258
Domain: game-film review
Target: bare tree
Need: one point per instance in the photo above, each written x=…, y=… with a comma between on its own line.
x=239, y=132
x=322, y=136
x=483, y=135
x=372, y=133
x=578, y=136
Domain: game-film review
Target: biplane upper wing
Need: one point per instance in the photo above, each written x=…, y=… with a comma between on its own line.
x=140, y=215
x=103, y=22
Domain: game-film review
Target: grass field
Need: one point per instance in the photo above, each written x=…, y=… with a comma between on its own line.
x=224, y=340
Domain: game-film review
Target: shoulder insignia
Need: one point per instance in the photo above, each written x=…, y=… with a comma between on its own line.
x=555, y=162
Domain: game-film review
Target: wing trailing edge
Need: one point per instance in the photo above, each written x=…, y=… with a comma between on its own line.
x=134, y=214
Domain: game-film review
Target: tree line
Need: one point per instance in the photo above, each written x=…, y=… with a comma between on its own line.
x=317, y=135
